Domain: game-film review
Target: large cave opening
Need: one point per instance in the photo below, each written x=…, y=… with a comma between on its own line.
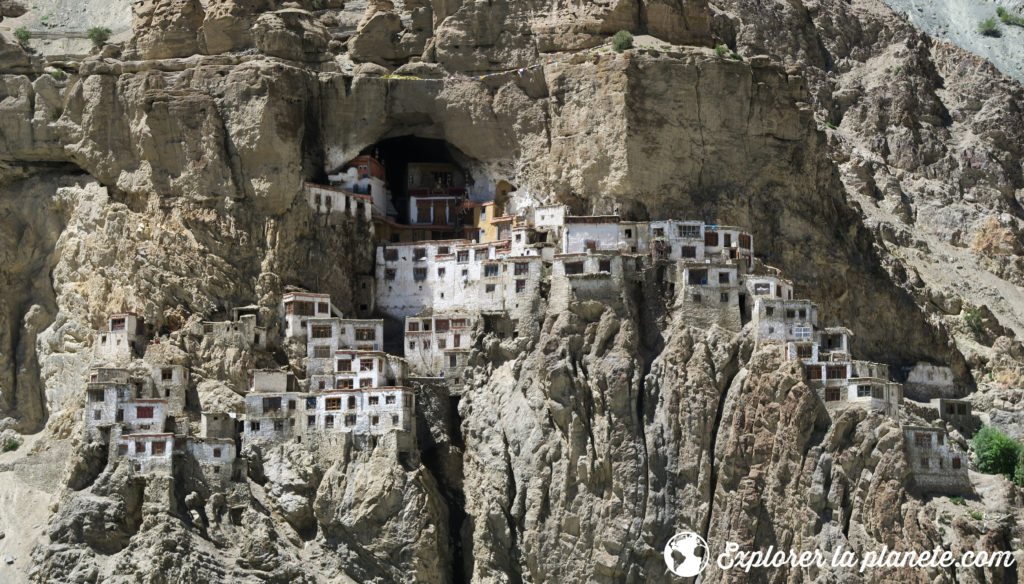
x=416, y=167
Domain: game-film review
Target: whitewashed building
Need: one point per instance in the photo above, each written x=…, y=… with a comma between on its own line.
x=298, y=307
x=438, y=344
x=123, y=341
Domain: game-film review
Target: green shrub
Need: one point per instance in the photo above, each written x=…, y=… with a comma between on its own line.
x=56, y=113
x=995, y=452
x=23, y=35
x=957, y=501
x=622, y=40
x=736, y=56
x=972, y=316
x=58, y=73
x=1009, y=19
x=99, y=35
x=1018, y=472
x=989, y=27
x=11, y=444
x=721, y=51
x=830, y=125
x=977, y=515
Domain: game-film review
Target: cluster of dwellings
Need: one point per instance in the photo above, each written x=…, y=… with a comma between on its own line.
x=351, y=385
x=138, y=409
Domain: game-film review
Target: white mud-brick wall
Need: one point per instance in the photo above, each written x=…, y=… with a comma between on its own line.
x=362, y=334
x=147, y=452
x=144, y=416
x=374, y=411
x=217, y=425
x=710, y=294
x=171, y=385
x=522, y=278
x=296, y=308
x=875, y=394
x=272, y=416
x=428, y=339
x=936, y=466
x=102, y=402
x=215, y=458
x=242, y=333
x=359, y=369
x=785, y=320
x=123, y=340
x=324, y=199
x=927, y=381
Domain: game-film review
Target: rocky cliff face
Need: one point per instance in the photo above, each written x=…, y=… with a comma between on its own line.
x=878, y=167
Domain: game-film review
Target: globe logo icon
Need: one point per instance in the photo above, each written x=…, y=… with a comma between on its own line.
x=686, y=554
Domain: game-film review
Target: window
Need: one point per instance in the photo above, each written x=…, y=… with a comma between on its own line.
x=344, y=365
x=590, y=244
x=374, y=420
x=803, y=314
x=659, y=232
x=489, y=288
x=366, y=364
x=762, y=289
x=320, y=331
x=456, y=340
x=836, y=371
x=443, y=250
x=254, y=426
x=390, y=255
x=413, y=325
x=710, y=238
x=216, y=452
x=688, y=251
x=310, y=403
x=96, y=415
x=328, y=422
x=389, y=399
x=279, y=425
x=394, y=419
x=350, y=420
x=408, y=401
x=922, y=439
x=412, y=345
x=458, y=322
x=389, y=274
x=465, y=274
x=365, y=382
x=491, y=270
x=140, y=447
x=122, y=449
x=877, y=392
x=440, y=272
x=814, y=372
x=374, y=400
x=831, y=394
x=723, y=277
x=166, y=374
x=271, y=404
x=745, y=240
x=453, y=361
x=802, y=332
x=419, y=253
x=332, y=403
x=144, y=412
x=343, y=384
x=96, y=395
x=521, y=268
x=724, y=297
x=863, y=391
x=769, y=310
x=924, y=462
x=323, y=308
x=442, y=343
x=790, y=313
x=365, y=334
x=117, y=324
x=310, y=421
x=322, y=352
x=351, y=402
x=689, y=231
x=956, y=462
x=604, y=266
x=697, y=277
x=573, y=268
x=520, y=286
x=419, y=274
x=697, y=298
x=462, y=257
x=728, y=239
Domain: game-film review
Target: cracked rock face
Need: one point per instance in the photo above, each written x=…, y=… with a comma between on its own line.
x=878, y=168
